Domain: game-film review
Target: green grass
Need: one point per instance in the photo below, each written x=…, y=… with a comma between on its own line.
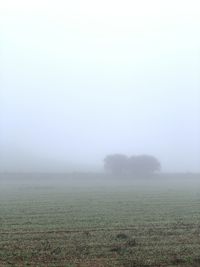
x=141, y=224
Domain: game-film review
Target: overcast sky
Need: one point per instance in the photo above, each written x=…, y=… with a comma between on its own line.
x=82, y=79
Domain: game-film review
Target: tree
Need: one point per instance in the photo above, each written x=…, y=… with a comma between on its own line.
x=143, y=164
x=139, y=165
x=116, y=163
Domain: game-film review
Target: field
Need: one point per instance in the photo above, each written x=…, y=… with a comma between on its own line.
x=63, y=221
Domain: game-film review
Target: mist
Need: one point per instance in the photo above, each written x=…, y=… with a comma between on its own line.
x=82, y=80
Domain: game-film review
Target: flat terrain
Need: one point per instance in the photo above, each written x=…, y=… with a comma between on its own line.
x=74, y=221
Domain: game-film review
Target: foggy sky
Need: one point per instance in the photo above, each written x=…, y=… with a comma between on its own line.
x=82, y=79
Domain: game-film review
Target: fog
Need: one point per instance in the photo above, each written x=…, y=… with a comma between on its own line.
x=83, y=79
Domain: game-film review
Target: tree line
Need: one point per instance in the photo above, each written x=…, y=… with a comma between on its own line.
x=138, y=164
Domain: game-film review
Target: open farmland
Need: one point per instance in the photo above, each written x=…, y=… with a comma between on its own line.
x=152, y=222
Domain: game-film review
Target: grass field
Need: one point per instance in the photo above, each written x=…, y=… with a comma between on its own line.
x=135, y=223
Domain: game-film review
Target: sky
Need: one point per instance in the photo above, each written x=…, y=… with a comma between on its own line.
x=83, y=79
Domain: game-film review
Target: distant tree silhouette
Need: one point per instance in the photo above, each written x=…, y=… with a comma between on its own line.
x=140, y=164
x=143, y=164
x=116, y=163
